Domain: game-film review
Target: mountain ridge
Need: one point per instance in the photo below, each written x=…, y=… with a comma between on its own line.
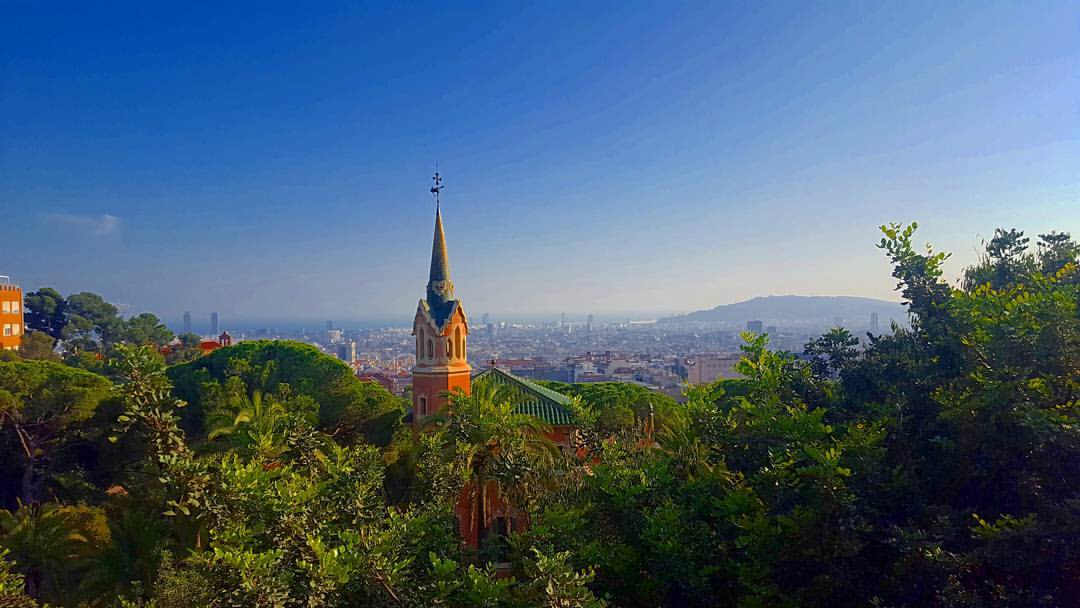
x=853, y=310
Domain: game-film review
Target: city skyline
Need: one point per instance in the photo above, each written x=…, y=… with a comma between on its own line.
x=659, y=161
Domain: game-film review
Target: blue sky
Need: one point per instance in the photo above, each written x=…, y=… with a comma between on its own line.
x=627, y=158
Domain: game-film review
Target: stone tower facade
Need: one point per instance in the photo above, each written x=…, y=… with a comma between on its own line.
x=441, y=330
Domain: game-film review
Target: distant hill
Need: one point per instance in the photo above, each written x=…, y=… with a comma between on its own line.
x=802, y=310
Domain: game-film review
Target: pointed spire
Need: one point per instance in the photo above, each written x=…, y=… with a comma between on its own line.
x=440, y=290
x=440, y=262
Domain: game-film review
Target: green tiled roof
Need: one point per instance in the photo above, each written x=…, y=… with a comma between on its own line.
x=550, y=406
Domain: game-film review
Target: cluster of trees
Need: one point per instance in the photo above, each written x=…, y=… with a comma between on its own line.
x=83, y=328
x=937, y=465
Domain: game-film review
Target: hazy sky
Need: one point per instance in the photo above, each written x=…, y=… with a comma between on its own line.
x=598, y=157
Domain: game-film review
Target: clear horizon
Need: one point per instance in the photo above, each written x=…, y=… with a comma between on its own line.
x=604, y=158
x=247, y=321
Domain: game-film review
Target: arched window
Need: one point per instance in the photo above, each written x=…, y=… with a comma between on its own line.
x=423, y=406
x=458, y=343
x=449, y=348
x=420, y=342
x=430, y=349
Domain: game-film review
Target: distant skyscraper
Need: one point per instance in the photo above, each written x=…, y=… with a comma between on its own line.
x=873, y=323
x=771, y=330
x=346, y=351
x=329, y=325
x=187, y=322
x=754, y=326
x=484, y=319
x=588, y=324
x=214, y=324
x=562, y=320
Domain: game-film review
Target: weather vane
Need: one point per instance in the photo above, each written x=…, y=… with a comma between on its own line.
x=437, y=185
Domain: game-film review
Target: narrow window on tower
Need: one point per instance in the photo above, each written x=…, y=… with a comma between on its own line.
x=458, y=343
x=430, y=349
x=423, y=406
x=420, y=342
x=449, y=350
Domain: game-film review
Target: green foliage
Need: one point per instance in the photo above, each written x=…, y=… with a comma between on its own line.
x=832, y=352
x=505, y=459
x=45, y=312
x=933, y=466
x=281, y=367
x=39, y=400
x=85, y=322
x=146, y=328
x=38, y=345
x=148, y=400
x=54, y=546
x=617, y=406
x=91, y=323
x=13, y=585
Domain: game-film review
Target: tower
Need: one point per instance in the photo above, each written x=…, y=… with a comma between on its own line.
x=187, y=322
x=213, y=323
x=441, y=330
x=11, y=314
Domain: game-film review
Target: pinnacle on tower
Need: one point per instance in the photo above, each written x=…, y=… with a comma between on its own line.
x=440, y=289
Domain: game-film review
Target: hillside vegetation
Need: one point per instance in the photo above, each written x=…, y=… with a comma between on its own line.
x=935, y=465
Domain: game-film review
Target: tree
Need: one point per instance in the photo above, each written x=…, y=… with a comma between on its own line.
x=46, y=312
x=13, y=585
x=504, y=456
x=831, y=352
x=146, y=328
x=260, y=422
x=38, y=345
x=38, y=400
x=620, y=406
x=1056, y=250
x=150, y=409
x=53, y=545
x=346, y=403
x=92, y=323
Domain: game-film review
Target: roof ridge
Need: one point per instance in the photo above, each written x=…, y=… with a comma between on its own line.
x=546, y=398
x=556, y=396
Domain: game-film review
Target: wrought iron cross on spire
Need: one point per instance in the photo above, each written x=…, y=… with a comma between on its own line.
x=437, y=185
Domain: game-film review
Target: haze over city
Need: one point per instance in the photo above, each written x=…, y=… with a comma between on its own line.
x=540, y=305
x=274, y=164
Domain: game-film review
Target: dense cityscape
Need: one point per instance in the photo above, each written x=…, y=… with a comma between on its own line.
x=660, y=355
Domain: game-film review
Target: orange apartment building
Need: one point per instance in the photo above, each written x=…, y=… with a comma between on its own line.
x=11, y=314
